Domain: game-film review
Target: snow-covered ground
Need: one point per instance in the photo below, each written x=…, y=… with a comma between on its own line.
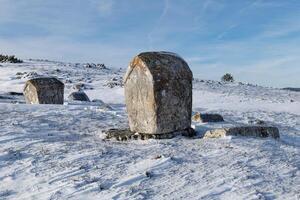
x=58, y=151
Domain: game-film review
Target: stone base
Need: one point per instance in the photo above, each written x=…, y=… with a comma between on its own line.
x=126, y=134
x=252, y=131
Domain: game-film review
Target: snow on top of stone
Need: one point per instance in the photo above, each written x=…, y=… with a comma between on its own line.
x=163, y=53
x=45, y=80
x=161, y=62
x=171, y=54
x=152, y=59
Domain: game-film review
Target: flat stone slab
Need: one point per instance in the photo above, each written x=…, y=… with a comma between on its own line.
x=126, y=134
x=205, y=117
x=251, y=131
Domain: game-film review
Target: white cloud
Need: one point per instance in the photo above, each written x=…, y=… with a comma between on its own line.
x=212, y=6
x=105, y=7
x=224, y=33
x=272, y=71
x=282, y=29
x=263, y=3
x=200, y=59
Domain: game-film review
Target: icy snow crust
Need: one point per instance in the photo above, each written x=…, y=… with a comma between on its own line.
x=58, y=151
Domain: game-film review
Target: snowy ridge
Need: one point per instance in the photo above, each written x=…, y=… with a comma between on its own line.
x=58, y=151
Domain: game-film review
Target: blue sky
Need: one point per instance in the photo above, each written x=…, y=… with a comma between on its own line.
x=255, y=40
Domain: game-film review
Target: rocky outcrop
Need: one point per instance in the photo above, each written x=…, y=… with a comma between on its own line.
x=78, y=96
x=252, y=131
x=292, y=89
x=114, y=82
x=204, y=118
x=44, y=91
x=256, y=122
x=158, y=92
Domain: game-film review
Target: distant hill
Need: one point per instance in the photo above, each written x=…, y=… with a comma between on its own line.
x=292, y=89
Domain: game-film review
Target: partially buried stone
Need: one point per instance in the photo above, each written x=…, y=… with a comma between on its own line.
x=252, y=131
x=204, y=118
x=78, y=96
x=158, y=92
x=44, y=91
x=257, y=122
x=15, y=93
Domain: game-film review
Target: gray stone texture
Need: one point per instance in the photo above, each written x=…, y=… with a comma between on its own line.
x=158, y=92
x=44, y=91
x=252, y=131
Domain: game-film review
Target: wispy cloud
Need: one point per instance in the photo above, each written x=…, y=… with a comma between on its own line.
x=265, y=70
x=242, y=11
x=247, y=38
x=264, y=3
x=222, y=34
x=105, y=7
x=158, y=23
x=283, y=28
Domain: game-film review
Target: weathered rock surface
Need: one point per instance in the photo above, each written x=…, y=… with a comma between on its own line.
x=204, y=118
x=126, y=134
x=252, y=131
x=78, y=96
x=158, y=92
x=44, y=91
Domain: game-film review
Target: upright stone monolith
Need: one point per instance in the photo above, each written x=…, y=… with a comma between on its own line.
x=44, y=91
x=158, y=92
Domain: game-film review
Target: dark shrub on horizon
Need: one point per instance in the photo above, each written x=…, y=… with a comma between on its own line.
x=9, y=59
x=227, y=78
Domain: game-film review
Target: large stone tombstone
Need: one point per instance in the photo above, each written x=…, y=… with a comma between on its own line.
x=44, y=91
x=158, y=92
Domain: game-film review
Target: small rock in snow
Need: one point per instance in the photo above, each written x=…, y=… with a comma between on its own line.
x=81, y=86
x=204, y=118
x=78, y=96
x=252, y=131
x=15, y=93
x=257, y=122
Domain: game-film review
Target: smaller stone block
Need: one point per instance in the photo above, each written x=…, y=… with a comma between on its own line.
x=78, y=96
x=44, y=91
x=204, y=118
x=252, y=131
